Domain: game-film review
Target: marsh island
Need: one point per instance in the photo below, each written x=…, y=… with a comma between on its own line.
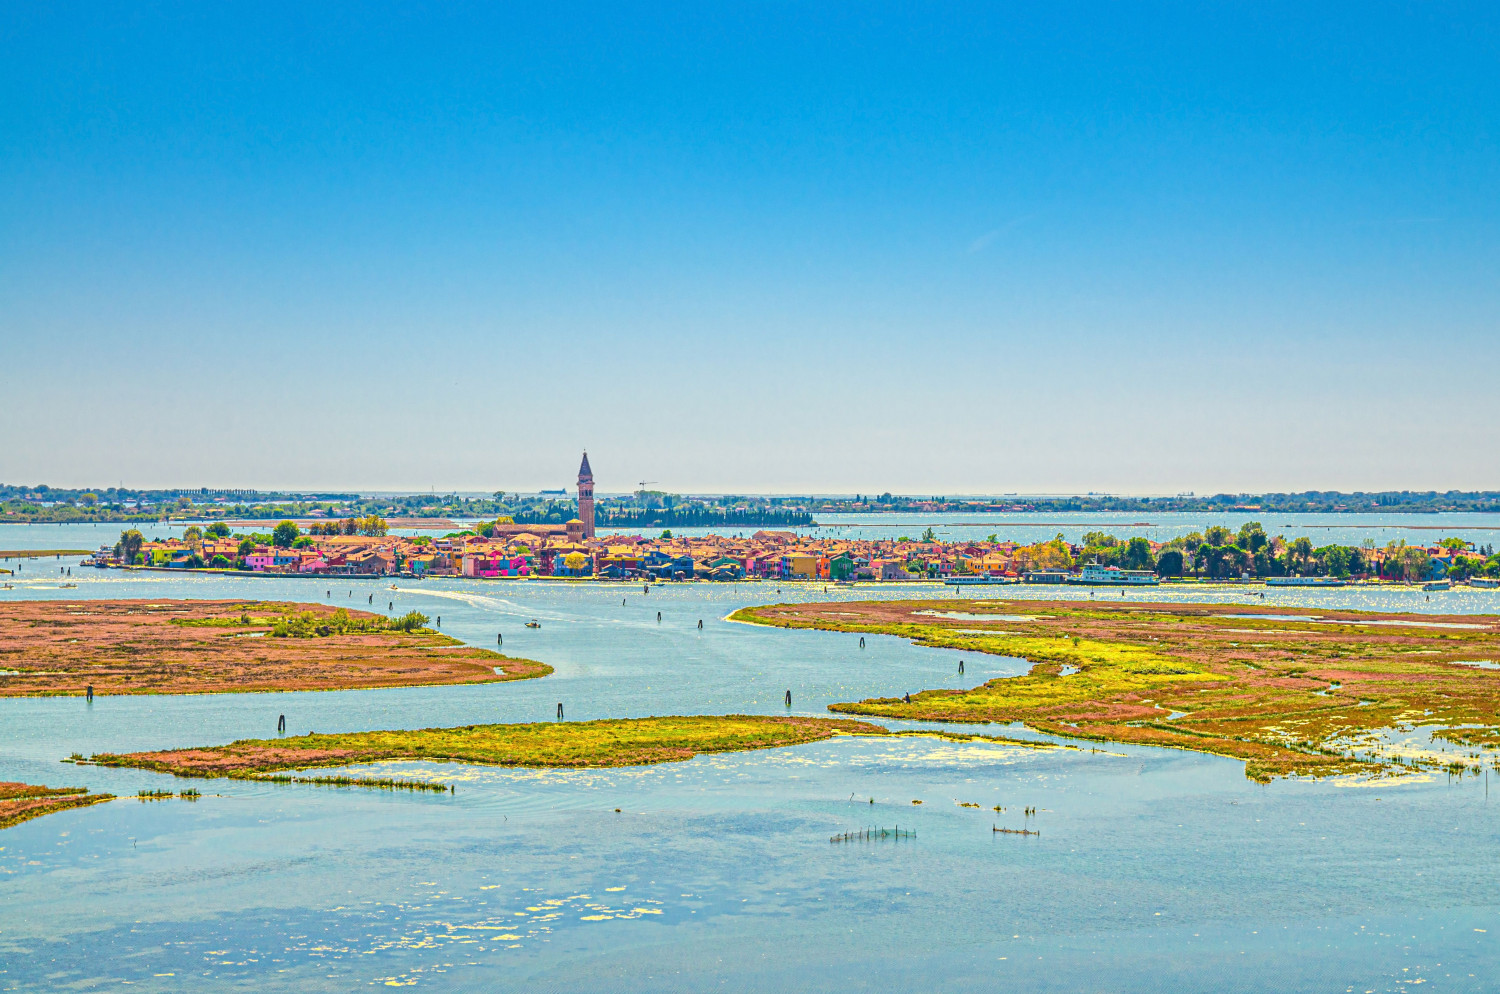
x=605, y=743
x=1311, y=693
x=50, y=648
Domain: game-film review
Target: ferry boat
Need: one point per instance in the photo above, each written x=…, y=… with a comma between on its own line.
x=1305, y=581
x=1438, y=585
x=973, y=581
x=1048, y=576
x=1484, y=582
x=1113, y=576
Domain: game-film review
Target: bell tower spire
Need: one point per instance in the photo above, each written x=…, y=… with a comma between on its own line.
x=586, y=496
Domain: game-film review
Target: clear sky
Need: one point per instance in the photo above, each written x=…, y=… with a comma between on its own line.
x=926, y=248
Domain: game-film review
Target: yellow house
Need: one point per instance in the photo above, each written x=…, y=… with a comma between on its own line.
x=796, y=566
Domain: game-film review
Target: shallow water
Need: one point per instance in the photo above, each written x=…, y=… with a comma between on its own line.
x=1155, y=869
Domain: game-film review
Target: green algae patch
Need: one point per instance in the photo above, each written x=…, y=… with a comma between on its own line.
x=1288, y=697
x=582, y=744
x=23, y=801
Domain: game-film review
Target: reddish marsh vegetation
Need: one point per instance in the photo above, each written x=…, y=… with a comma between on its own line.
x=212, y=647
x=23, y=801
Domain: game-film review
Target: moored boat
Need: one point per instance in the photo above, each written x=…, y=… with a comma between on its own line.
x=1305, y=581
x=1113, y=576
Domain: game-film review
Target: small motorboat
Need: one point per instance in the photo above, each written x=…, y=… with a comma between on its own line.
x=533, y=623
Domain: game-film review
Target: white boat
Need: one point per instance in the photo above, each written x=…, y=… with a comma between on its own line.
x=1305, y=581
x=1484, y=582
x=1113, y=576
x=971, y=581
x=1438, y=585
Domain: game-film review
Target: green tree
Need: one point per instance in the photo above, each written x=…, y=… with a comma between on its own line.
x=218, y=530
x=1252, y=538
x=666, y=533
x=374, y=526
x=193, y=535
x=1335, y=560
x=1169, y=563
x=929, y=535
x=285, y=534
x=1137, y=555
x=1416, y=564
x=1217, y=535
x=219, y=562
x=1300, y=552
x=245, y=547
x=129, y=546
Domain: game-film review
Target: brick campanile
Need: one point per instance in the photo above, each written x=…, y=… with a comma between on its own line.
x=586, y=497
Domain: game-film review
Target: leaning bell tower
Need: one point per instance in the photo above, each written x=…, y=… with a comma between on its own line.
x=586, y=497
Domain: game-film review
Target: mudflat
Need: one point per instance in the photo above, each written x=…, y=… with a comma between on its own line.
x=1290, y=692
x=604, y=743
x=50, y=648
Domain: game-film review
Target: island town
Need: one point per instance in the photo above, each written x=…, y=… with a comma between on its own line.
x=503, y=548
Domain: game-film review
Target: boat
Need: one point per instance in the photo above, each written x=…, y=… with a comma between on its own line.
x=1438, y=585
x=1484, y=582
x=1047, y=576
x=1095, y=575
x=1305, y=581
x=533, y=623
x=974, y=581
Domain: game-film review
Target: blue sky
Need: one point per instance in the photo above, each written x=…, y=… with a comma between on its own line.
x=932, y=248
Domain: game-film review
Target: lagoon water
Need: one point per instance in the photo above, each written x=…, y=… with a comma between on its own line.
x=1154, y=870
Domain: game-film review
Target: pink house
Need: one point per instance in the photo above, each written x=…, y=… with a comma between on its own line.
x=490, y=567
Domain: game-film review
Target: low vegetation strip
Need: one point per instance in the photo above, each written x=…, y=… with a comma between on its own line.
x=612, y=742
x=50, y=648
x=1290, y=693
x=39, y=553
x=23, y=801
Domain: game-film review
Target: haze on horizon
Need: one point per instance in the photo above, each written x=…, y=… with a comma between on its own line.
x=943, y=248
